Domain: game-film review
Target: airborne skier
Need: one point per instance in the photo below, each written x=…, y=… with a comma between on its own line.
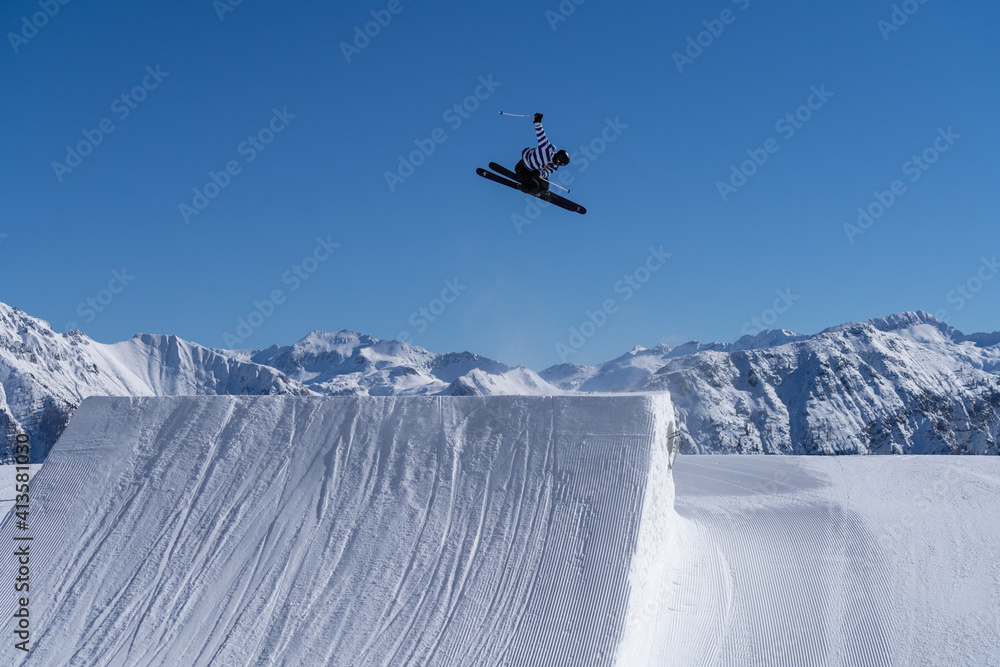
x=538, y=163
x=530, y=176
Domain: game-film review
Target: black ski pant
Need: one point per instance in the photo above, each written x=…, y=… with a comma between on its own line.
x=531, y=181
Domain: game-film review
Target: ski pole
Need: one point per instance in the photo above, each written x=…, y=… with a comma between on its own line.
x=556, y=184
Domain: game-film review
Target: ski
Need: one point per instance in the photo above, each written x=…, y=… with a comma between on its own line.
x=498, y=179
x=511, y=182
x=561, y=202
x=503, y=171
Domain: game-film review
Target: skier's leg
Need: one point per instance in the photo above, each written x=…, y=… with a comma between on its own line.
x=523, y=173
x=531, y=187
x=526, y=175
x=529, y=183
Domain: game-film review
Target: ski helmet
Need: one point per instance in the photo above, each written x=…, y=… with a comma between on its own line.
x=561, y=158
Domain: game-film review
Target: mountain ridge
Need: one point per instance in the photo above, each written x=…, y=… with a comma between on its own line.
x=903, y=383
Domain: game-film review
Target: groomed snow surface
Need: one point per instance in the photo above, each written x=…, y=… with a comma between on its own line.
x=345, y=531
x=847, y=560
x=490, y=531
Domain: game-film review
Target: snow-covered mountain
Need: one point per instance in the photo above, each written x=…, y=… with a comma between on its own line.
x=906, y=383
x=350, y=363
x=44, y=376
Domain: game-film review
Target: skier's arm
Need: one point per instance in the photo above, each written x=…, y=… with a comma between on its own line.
x=543, y=141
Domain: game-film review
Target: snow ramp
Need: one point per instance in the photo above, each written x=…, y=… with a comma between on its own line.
x=350, y=531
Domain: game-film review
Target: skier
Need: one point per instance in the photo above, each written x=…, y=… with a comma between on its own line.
x=538, y=163
x=530, y=174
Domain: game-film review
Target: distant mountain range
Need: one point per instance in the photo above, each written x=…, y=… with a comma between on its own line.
x=904, y=384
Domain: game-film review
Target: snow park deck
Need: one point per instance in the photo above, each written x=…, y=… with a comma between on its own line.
x=346, y=531
x=489, y=531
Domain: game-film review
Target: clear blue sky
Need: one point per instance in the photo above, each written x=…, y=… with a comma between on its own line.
x=518, y=294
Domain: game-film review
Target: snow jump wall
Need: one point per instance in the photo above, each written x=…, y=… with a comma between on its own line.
x=349, y=531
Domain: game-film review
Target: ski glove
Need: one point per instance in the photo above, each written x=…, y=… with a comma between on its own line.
x=538, y=118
